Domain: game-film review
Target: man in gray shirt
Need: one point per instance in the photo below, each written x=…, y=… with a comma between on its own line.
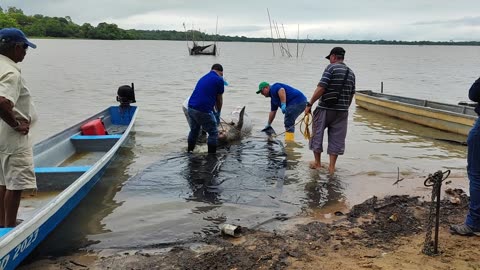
x=335, y=91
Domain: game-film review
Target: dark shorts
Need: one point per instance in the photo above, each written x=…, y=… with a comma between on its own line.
x=336, y=122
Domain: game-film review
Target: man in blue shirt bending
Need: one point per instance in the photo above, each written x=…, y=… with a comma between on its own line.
x=291, y=101
x=204, y=108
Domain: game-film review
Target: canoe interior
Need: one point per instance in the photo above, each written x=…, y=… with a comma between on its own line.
x=67, y=167
x=61, y=159
x=466, y=110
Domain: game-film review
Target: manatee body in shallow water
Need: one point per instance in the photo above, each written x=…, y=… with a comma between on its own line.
x=233, y=127
x=237, y=128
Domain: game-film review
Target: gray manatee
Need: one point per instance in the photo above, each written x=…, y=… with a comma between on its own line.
x=233, y=127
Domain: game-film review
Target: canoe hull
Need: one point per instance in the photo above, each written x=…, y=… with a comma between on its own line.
x=446, y=117
x=33, y=239
x=22, y=240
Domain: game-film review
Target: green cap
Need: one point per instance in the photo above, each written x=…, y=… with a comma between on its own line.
x=261, y=86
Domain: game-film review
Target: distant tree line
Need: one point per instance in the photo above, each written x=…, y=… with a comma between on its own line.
x=58, y=27
x=63, y=27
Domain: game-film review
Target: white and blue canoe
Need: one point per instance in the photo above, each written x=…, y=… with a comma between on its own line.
x=70, y=164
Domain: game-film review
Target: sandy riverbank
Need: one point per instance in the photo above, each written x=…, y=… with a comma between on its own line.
x=377, y=234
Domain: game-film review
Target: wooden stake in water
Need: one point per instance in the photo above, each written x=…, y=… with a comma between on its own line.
x=298, y=37
x=271, y=32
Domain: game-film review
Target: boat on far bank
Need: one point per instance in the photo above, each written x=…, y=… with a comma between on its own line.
x=68, y=165
x=452, y=118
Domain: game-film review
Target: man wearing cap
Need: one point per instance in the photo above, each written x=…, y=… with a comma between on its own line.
x=337, y=80
x=204, y=108
x=291, y=102
x=17, y=114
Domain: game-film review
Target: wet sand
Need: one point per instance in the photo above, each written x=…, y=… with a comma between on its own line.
x=379, y=233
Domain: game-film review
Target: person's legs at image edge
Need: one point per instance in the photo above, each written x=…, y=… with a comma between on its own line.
x=471, y=226
x=473, y=169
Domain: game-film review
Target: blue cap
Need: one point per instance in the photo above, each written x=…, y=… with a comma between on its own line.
x=8, y=35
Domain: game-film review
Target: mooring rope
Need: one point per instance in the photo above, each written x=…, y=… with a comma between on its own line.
x=306, y=132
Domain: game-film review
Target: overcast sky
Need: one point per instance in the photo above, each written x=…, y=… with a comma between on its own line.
x=437, y=20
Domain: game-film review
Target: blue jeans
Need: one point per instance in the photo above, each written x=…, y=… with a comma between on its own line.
x=197, y=120
x=473, y=170
x=293, y=111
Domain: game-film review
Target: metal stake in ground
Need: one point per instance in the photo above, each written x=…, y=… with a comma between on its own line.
x=434, y=181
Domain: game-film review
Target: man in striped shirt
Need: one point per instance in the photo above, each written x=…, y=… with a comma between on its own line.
x=338, y=81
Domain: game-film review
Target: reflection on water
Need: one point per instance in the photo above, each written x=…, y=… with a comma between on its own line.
x=201, y=174
x=86, y=218
x=192, y=193
x=382, y=144
x=239, y=174
x=293, y=150
x=323, y=190
x=382, y=128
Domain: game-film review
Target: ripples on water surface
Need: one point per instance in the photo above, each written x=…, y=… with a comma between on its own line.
x=155, y=193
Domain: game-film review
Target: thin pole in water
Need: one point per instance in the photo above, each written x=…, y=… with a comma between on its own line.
x=271, y=32
x=279, y=37
x=216, y=37
x=298, y=37
x=286, y=42
x=186, y=37
x=304, y=45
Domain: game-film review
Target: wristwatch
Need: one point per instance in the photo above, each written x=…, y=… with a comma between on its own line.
x=309, y=104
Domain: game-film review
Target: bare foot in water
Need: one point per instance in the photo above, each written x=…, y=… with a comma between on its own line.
x=314, y=165
x=331, y=170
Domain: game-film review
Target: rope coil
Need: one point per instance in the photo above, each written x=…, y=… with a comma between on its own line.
x=306, y=132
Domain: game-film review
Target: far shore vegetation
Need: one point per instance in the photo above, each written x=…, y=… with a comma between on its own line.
x=41, y=26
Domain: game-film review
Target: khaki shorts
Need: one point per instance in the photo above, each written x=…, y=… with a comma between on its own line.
x=16, y=171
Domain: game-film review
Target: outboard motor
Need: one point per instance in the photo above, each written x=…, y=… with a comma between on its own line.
x=126, y=95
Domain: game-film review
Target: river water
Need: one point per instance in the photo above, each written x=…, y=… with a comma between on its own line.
x=153, y=192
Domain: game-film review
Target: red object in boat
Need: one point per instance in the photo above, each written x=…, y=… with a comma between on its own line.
x=94, y=127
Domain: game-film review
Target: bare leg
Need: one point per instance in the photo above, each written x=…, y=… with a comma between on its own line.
x=316, y=164
x=12, y=202
x=333, y=161
x=2, y=206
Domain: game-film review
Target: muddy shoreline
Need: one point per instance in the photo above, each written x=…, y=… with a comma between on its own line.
x=386, y=233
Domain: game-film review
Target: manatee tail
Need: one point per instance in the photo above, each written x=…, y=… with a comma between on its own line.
x=240, y=119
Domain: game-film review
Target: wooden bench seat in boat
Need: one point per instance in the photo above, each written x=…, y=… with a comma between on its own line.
x=4, y=231
x=94, y=143
x=58, y=178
